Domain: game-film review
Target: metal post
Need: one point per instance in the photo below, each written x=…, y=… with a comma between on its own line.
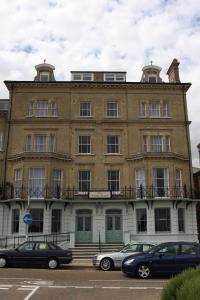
x=99, y=241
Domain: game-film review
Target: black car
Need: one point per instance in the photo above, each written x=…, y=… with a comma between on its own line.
x=165, y=258
x=35, y=253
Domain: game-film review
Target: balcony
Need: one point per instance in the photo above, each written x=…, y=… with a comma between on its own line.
x=9, y=192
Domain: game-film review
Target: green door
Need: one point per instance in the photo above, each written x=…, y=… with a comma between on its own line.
x=84, y=226
x=114, y=226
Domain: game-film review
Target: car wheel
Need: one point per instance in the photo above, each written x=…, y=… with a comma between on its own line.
x=3, y=262
x=52, y=263
x=143, y=271
x=106, y=264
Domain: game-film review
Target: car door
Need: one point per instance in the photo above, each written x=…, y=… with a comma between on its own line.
x=42, y=252
x=125, y=252
x=164, y=260
x=189, y=256
x=23, y=254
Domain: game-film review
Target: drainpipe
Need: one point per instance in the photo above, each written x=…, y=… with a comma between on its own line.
x=8, y=135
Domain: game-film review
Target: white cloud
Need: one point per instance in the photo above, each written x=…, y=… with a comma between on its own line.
x=102, y=35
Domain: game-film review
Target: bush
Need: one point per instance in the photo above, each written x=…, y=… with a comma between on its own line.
x=172, y=288
x=190, y=290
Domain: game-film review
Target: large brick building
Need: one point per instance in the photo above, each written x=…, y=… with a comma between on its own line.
x=97, y=156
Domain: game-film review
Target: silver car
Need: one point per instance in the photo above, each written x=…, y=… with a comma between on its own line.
x=109, y=260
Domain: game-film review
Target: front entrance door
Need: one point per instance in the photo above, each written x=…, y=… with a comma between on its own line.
x=113, y=226
x=84, y=226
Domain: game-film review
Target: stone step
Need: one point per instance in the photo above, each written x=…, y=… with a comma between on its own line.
x=88, y=251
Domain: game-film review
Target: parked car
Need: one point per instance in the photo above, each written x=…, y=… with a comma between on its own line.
x=35, y=253
x=166, y=258
x=110, y=260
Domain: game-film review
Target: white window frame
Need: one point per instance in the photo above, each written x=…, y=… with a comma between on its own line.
x=37, y=184
x=165, y=109
x=179, y=183
x=156, y=143
x=84, y=144
x=82, y=181
x=57, y=182
x=140, y=180
x=44, y=76
x=17, y=183
x=164, y=219
x=85, y=112
x=111, y=77
x=53, y=106
x=42, y=108
x=154, y=109
x=161, y=191
x=143, y=109
x=115, y=181
x=40, y=142
x=112, y=112
x=113, y=142
x=139, y=221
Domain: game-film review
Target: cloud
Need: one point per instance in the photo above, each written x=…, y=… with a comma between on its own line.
x=102, y=35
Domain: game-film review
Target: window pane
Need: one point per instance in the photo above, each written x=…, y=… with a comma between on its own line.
x=112, y=109
x=189, y=249
x=40, y=143
x=85, y=109
x=42, y=108
x=113, y=180
x=141, y=217
x=140, y=183
x=37, y=216
x=15, y=221
x=84, y=144
x=56, y=221
x=84, y=181
x=161, y=182
x=18, y=183
x=154, y=109
x=113, y=144
x=181, y=219
x=37, y=182
x=57, y=183
x=162, y=219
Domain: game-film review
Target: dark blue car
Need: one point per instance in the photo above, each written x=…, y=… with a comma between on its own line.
x=165, y=258
x=36, y=253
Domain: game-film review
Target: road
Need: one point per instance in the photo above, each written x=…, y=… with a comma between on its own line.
x=75, y=284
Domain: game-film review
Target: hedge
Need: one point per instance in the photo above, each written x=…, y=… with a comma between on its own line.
x=185, y=286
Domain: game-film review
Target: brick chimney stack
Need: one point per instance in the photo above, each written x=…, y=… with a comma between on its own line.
x=173, y=71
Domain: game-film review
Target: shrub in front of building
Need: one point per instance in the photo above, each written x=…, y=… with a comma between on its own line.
x=185, y=286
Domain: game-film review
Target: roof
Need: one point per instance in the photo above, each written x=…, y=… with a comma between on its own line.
x=96, y=84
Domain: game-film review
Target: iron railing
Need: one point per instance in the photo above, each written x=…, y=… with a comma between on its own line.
x=9, y=191
x=15, y=240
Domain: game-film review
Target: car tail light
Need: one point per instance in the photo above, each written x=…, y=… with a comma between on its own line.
x=68, y=253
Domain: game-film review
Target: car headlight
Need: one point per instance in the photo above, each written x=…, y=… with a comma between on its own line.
x=129, y=261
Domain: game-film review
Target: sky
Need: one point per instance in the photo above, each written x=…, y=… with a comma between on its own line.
x=117, y=35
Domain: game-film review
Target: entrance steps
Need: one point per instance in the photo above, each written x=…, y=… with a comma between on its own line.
x=87, y=251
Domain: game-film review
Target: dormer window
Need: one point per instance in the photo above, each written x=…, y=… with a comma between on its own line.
x=86, y=76
x=152, y=78
x=114, y=77
x=44, y=76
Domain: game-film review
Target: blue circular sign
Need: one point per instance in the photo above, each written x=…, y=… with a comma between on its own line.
x=28, y=219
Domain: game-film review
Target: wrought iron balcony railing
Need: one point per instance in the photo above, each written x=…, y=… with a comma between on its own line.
x=46, y=192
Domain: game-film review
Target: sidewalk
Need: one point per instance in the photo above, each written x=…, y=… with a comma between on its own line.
x=81, y=263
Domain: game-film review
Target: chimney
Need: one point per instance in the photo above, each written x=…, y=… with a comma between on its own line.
x=173, y=71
